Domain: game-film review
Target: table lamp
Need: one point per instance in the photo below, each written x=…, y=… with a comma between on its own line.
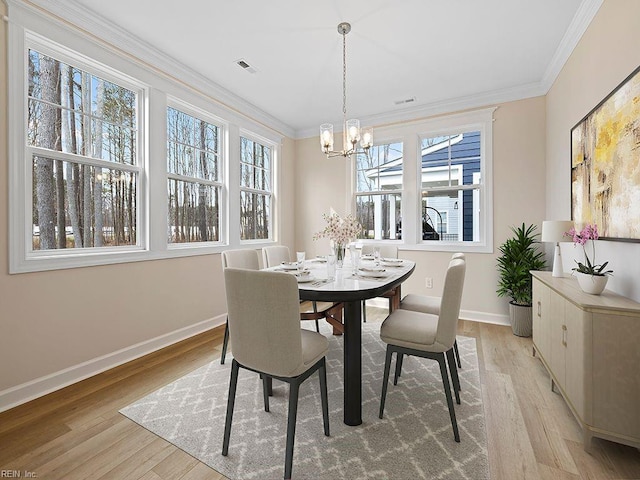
x=553, y=231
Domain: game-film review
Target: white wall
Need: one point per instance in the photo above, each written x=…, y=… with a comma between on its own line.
x=607, y=53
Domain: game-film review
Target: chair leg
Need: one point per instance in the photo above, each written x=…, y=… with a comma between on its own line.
x=291, y=428
x=455, y=348
x=265, y=391
x=385, y=381
x=451, y=361
x=364, y=311
x=225, y=342
x=230, y=404
x=447, y=392
x=399, y=357
x=322, y=373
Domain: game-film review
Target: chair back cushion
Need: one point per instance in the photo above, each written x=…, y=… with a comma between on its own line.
x=264, y=320
x=245, y=258
x=450, y=303
x=386, y=251
x=272, y=256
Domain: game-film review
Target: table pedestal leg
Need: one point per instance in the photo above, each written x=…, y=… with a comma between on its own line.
x=352, y=363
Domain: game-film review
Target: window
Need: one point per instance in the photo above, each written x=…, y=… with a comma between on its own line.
x=111, y=162
x=194, y=178
x=431, y=187
x=82, y=144
x=450, y=182
x=379, y=184
x=256, y=189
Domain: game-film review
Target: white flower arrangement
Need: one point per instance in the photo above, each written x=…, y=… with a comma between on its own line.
x=340, y=230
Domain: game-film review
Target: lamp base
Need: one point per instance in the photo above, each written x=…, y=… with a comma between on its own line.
x=557, y=263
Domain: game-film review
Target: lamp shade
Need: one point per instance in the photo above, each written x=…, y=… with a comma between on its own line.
x=553, y=230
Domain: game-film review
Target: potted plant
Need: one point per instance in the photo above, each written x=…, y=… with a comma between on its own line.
x=592, y=278
x=519, y=255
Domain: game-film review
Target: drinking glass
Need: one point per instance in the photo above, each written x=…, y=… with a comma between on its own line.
x=376, y=256
x=300, y=258
x=331, y=266
x=355, y=259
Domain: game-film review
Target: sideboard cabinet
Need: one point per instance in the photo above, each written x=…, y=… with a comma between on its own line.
x=590, y=345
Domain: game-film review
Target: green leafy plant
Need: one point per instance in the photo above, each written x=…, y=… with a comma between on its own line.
x=520, y=254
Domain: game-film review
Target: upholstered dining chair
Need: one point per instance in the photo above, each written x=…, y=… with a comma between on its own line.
x=386, y=251
x=264, y=326
x=428, y=304
x=309, y=310
x=243, y=258
x=428, y=336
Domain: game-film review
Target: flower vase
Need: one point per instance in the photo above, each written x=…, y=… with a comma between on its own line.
x=340, y=253
x=592, y=284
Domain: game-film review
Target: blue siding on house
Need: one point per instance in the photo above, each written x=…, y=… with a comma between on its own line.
x=465, y=153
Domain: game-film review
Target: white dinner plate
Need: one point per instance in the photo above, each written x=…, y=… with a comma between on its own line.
x=372, y=274
x=391, y=262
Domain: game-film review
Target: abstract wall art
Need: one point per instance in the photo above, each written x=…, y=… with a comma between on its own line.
x=605, y=164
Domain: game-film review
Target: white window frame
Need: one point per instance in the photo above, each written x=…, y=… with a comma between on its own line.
x=250, y=135
x=380, y=192
x=201, y=114
x=411, y=134
x=22, y=257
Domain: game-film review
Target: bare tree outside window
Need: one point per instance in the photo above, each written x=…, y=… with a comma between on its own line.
x=255, y=190
x=82, y=137
x=194, y=187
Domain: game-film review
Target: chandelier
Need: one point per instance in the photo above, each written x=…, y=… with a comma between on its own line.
x=351, y=131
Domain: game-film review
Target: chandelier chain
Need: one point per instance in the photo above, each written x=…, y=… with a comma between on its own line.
x=344, y=75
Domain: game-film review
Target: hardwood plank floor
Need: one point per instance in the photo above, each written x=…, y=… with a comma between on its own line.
x=77, y=432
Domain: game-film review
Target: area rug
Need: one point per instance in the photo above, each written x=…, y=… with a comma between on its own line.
x=413, y=440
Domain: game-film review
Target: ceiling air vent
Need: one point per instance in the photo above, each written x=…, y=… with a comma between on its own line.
x=248, y=68
x=406, y=100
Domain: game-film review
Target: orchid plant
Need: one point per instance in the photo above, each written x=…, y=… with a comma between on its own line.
x=589, y=232
x=339, y=230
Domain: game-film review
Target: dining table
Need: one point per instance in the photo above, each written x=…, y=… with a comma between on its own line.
x=350, y=287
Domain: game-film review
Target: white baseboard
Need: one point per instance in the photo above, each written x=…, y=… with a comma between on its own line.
x=472, y=315
x=14, y=396
x=482, y=317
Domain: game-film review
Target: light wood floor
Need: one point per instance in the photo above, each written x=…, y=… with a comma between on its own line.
x=77, y=432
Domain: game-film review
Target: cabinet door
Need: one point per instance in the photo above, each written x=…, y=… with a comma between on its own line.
x=577, y=322
x=558, y=329
x=541, y=319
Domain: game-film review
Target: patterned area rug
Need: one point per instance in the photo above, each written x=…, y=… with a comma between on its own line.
x=414, y=440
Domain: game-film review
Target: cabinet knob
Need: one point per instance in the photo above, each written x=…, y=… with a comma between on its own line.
x=564, y=335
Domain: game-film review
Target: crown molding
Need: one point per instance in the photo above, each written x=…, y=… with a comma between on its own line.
x=121, y=40
x=579, y=24
x=116, y=38
x=445, y=106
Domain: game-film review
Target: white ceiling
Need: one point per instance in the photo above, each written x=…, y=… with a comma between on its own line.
x=448, y=54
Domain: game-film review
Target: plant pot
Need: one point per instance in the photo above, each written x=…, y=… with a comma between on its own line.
x=592, y=284
x=521, y=319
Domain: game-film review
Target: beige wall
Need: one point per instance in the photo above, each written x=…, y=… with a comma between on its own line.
x=519, y=186
x=56, y=320
x=607, y=53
